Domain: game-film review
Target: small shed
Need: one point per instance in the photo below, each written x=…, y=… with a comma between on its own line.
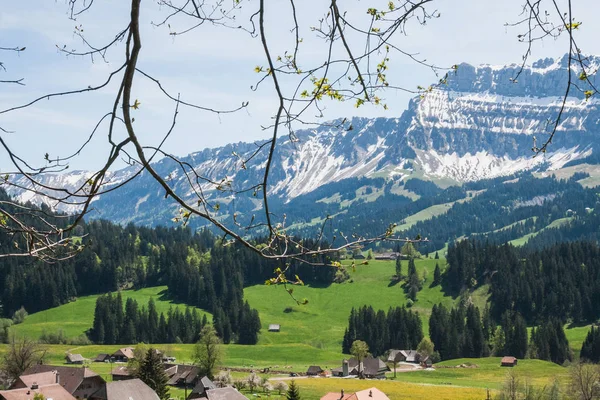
x=102, y=357
x=314, y=370
x=508, y=361
x=426, y=362
x=74, y=359
x=274, y=328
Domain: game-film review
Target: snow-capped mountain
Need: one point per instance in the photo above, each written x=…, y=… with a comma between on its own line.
x=481, y=124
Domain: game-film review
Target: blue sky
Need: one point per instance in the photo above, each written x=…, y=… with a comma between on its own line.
x=214, y=67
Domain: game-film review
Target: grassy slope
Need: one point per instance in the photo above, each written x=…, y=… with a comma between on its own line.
x=76, y=317
x=322, y=321
x=554, y=224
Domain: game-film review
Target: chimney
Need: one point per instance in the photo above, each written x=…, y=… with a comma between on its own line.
x=57, y=377
x=34, y=385
x=342, y=396
x=370, y=393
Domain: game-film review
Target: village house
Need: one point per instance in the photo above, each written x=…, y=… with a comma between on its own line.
x=74, y=359
x=508, y=361
x=53, y=391
x=133, y=389
x=80, y=382
x=274, y=328
x=123, y=355
x=370, y=367
x=409, y=356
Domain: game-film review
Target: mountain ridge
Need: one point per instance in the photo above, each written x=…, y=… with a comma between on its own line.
x=480, y=125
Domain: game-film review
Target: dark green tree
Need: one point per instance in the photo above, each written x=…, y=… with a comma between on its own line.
x=152, y=373
x=293, y=392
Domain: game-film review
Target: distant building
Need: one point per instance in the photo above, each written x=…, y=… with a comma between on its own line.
x=133, y=389
x=274, y=328
x=314, y=370
x=410, y=356
x=123, y=355
x=102, y=358
x=508, y=361
x=370, y=367
x=426, y=362
x=387, y=256
x=74, y=359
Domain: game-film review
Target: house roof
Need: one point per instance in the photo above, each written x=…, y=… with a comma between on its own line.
x=41, y=379
x=201, y=387
x=314, y=369
x=508, y=360
x=75, y=357
x=68, y=377
x=54, y=391
x=124, y=352
x=371, y=394
x=131, y=389
x=226, y=393
x=337, y=396
x=180, y=374
x=120, y=370
x=101, y=357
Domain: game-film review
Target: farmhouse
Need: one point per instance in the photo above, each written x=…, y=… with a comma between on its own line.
x=508, y=361
x=274, y=328
x=387, y=256
x=410, y=356
x=314, y=370
x=53, y=391
x=123, y=355
x=74, y=359
x=80, y=382
x=133, y=389
x=370, y=367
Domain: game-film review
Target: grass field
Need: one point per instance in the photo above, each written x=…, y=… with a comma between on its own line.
x=487, y=374
x=76, y=317
x=322, y=321
x=554, y=224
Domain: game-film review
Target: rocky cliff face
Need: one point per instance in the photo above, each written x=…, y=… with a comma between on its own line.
x=481, y=124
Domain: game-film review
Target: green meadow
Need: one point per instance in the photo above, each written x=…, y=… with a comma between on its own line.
x=77, y=316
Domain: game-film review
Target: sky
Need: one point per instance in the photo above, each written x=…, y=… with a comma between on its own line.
x=214, y=67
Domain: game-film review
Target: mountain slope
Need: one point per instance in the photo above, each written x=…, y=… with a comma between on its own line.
x=480, y=125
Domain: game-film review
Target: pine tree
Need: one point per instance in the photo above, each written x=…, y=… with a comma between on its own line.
x=398, y=268
x=152, y=373
x=437, y=275
x=293, y=392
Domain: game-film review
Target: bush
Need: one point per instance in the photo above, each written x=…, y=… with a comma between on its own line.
x=19, y=316
x=341, y=275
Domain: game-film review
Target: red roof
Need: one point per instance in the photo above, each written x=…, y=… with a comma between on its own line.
x=508, y=360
